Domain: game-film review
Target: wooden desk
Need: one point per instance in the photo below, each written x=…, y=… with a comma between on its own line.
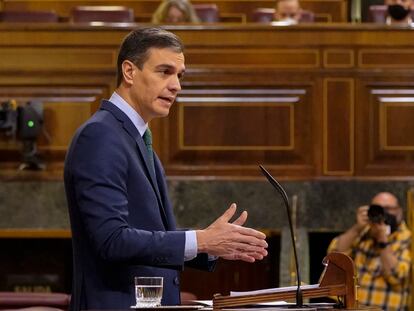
x=305, y=101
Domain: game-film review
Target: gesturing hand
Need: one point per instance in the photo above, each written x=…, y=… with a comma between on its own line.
x=231, y=240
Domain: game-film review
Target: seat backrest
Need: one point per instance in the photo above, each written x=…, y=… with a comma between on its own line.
x=377, y=14
x=265, y=15
x=29, y=16
x=104, y=13
x=307, y=17
x=207, y=12
x=15, y=300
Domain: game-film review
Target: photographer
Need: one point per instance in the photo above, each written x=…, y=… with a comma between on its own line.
x=379, y=243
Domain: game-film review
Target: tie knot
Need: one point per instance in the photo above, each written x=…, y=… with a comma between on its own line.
x=147, y=137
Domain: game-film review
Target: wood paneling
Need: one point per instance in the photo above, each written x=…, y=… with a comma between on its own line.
x=338, y=58
x=385, y=124
x=386, y=58
x=305, y=101
x=338, y=126
x=230, y=10
x=215, y=128
x=57, y=58
x=64, y=110
x=396, y=120
x=275, y=58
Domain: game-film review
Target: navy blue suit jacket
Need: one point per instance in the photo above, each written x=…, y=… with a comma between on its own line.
x=121, y=218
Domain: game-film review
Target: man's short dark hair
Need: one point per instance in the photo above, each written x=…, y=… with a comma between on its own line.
x=137, y=43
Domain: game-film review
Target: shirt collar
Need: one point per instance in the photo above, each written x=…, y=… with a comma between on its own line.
x=132, y=114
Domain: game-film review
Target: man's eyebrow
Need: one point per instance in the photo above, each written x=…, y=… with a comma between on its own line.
x=164, y=66
x=169, y=67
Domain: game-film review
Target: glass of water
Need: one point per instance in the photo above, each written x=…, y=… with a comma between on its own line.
x=148, y=291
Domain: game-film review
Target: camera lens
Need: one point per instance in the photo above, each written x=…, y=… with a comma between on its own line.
x=376, y=213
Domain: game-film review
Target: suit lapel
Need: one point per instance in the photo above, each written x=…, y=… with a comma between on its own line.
x=133, y=132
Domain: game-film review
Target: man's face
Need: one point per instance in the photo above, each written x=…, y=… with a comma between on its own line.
x=287, y=9
x=155, y=87
x=390, y=205
x=405, y=3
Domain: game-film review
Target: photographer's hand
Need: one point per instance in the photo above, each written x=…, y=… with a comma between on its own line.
x=362, y=218
x=346, y=239
x=380, y=232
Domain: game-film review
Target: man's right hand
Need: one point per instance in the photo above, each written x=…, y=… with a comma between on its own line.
x=362, y=217
x=232, y=241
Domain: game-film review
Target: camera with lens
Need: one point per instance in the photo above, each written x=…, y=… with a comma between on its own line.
x=377, y=215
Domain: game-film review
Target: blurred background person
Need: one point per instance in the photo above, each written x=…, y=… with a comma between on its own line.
x=288, y=11
x=379, y=243
x=399, y=12
x=175, y=11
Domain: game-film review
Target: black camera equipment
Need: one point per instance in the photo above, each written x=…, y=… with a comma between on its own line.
x=377, y=215
x=26, y=123
x=8, y=117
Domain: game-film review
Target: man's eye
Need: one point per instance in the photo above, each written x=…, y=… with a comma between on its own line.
x=164, y=72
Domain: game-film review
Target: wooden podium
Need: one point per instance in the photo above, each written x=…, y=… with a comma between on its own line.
x=337, y=279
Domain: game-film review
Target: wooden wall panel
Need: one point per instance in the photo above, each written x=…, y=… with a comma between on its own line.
x=386, y=58
x=338, y=126
x=57, y=58
x=271, y=125
x=64, y=110
x=338, y=58
x=269, y=58
x=396, y=120
x=230, y=10
x=295, y=83
x=385, y=125
x=240, y=128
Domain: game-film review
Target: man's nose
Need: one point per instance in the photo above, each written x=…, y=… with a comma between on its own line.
x=175, y=84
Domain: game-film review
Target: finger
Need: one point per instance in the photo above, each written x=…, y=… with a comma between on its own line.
x=247, y=240
x=240, y=256
x=245, y=257
x=228, y=214
x=256, y=256
x=245, y=248
x=241, y=220
x=249, y=232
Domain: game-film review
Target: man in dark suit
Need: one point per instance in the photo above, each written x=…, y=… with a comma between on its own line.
x=121, y=218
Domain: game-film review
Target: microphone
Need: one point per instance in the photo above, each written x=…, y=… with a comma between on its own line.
x=279, y=188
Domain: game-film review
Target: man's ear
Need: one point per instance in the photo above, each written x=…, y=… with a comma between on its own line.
x=128, y=71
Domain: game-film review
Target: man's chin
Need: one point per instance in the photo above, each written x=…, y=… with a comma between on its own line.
x=163, y=113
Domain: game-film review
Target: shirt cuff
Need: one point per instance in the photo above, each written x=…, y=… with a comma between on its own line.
x=190, y=247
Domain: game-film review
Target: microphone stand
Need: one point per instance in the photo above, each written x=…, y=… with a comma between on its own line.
x=282, y=192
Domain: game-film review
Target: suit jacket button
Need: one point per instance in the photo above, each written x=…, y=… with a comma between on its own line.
x=176, y=281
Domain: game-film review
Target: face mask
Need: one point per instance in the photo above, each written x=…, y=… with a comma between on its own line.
x=289, y=21
x=398, y=12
